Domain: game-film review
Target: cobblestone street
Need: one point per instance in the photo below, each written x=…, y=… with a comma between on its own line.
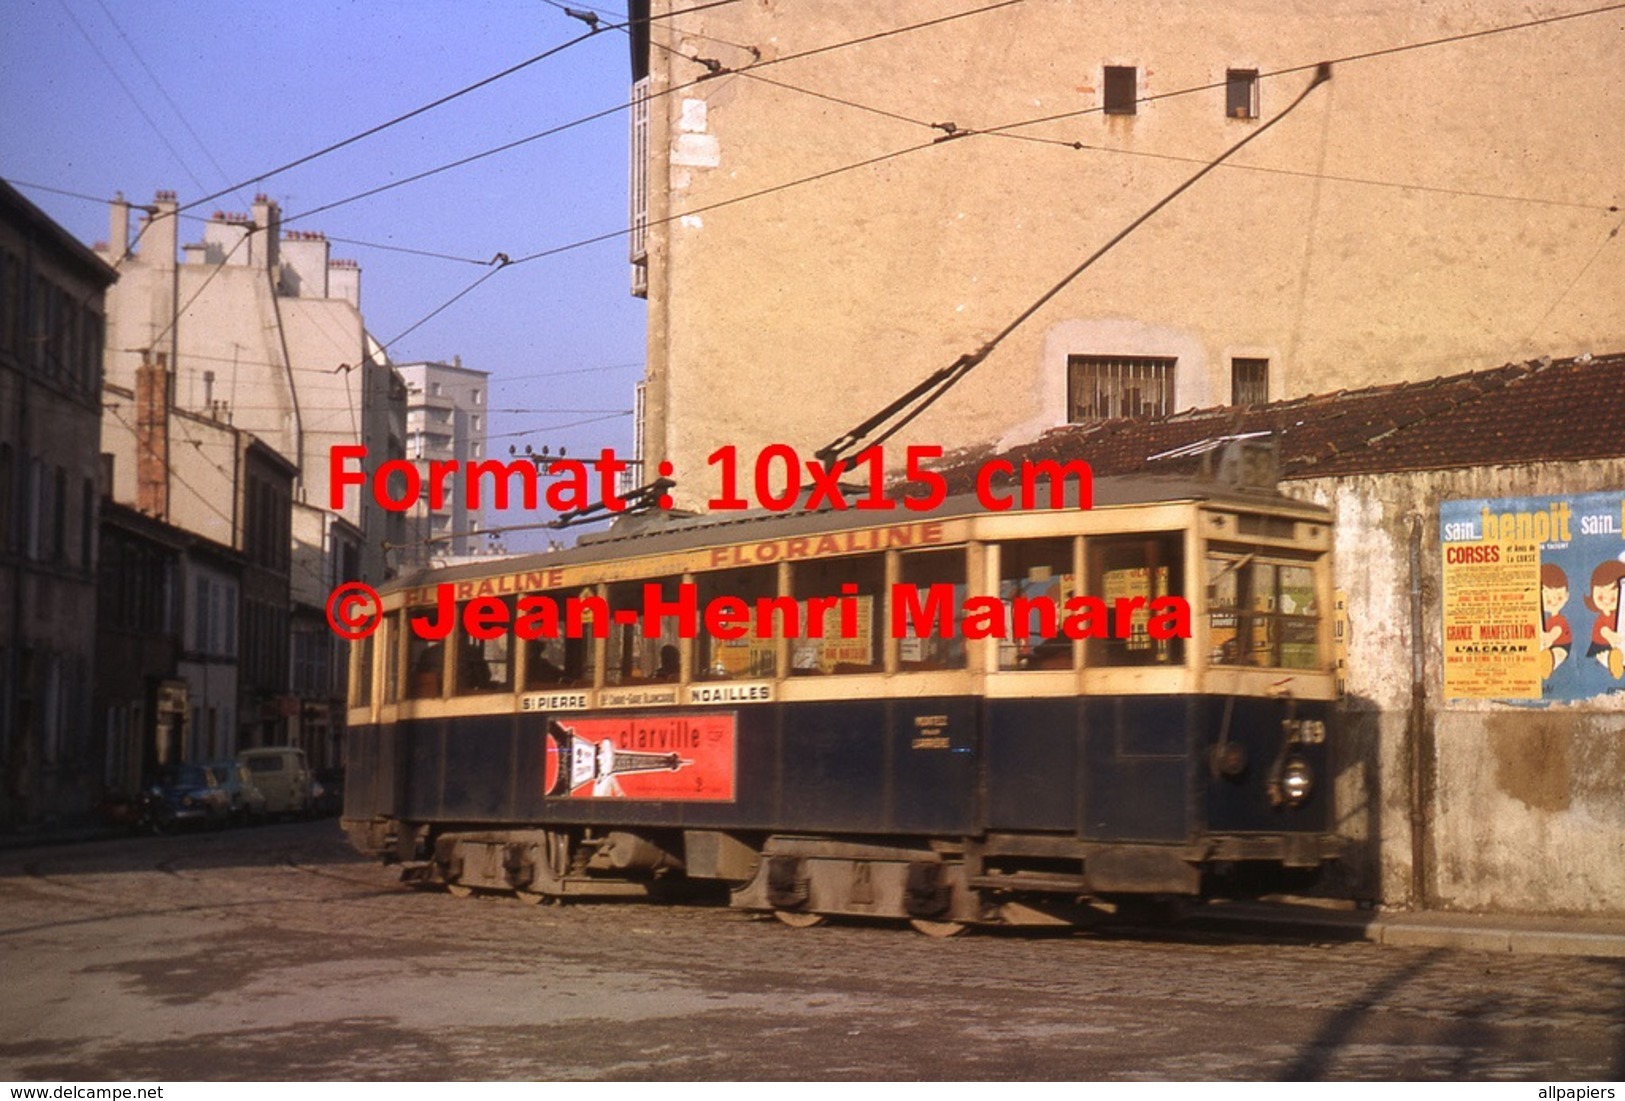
x=277, y=953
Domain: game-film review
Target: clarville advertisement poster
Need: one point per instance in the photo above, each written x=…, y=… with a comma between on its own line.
x=1531, y=597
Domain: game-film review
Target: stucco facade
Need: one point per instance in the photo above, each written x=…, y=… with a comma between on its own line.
x=1445, y=205
x=1470, y=804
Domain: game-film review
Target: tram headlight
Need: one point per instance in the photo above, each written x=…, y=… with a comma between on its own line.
x=1297, y=780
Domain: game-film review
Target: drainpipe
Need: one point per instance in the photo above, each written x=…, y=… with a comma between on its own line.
x=1418, y=737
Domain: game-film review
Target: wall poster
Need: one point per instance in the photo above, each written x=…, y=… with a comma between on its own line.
x=1532, y=597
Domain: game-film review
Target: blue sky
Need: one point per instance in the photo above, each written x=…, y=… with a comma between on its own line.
x=109, y=95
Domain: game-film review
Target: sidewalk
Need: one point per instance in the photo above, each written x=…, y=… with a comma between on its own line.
x=1524, y=934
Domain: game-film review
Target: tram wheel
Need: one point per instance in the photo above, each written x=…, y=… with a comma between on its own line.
x=536, y=898
x=458, y=890
x=800, y=919
x=938, y=929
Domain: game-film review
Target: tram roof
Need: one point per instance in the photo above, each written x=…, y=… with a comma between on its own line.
x=650, y=533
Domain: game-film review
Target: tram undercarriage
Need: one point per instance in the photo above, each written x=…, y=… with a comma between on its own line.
x=940, y=887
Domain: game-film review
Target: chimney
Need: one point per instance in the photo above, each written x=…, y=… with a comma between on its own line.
x=162, y=232
x=152, y=435
x=262, y=246
x=304, y=264
x=118, y=239
x=344, y=281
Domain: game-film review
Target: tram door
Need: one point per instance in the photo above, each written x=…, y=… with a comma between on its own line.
x=1135, y=769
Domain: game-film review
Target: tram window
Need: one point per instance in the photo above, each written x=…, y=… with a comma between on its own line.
x=1134, y=568
x=392, y=665
x=425, y=667
x=562, y=661
x=1262, y=613
x=484, y=665
x=848, y=596
x=752, y=654
x=933, y=575
x=1035, y=574
x=632, y=657
x=361, y=683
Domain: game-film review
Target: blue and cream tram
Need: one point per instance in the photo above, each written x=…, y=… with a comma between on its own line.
x=882, y=738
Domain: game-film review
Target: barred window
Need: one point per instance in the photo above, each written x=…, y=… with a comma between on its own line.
x=1249, y=381
x=1102, y=387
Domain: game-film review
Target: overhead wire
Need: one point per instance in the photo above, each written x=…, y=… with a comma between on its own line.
x=495, y=380
x=446, y=305
x=158, y=84
x=618, y=108
x=359, y=243
x=1346, y=59
x=1608, y=238
x=958, y=133
x=502, y=261
x=558, y=427
x=925, y=394
x=396, y=121
x=128, y=91
x=571, y=9
x=1330, y=177
x=566, y=371
x=432, y=105
x=214, y=270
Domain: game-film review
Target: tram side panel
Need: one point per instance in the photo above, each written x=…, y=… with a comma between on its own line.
x=1110, y=769
x=856, y=767
x=1136, y=756
x=868, y=766
x=1140, y=768
x=1030, y=764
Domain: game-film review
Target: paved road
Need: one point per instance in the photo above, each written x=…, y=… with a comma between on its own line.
x=277, y=953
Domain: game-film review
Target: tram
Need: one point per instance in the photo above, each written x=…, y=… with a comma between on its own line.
x=867, y=713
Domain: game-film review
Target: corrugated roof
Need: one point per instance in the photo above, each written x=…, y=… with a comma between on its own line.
x=1519, y=413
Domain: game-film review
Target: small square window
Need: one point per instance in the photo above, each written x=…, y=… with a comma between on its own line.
x=1122, y=89
x=1241, y=93
x=1249, y=381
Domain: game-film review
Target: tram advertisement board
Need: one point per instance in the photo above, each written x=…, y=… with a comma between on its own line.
x=1531, y=597
x=682, y=757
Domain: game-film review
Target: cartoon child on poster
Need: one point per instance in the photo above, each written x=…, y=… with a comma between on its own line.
x=1607, y=643
x=1556, y=637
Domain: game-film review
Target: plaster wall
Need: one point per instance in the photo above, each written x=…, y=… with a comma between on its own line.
x=1425, y=212
x=1522, y=808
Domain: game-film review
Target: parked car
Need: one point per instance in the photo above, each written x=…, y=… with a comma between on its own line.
x=282, y=775
x=328, y=791
x=189, y=795
x=247, y=801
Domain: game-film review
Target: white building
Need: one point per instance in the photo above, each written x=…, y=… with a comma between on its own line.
x=256, y=335
x=263, y=331
x=447, y=409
